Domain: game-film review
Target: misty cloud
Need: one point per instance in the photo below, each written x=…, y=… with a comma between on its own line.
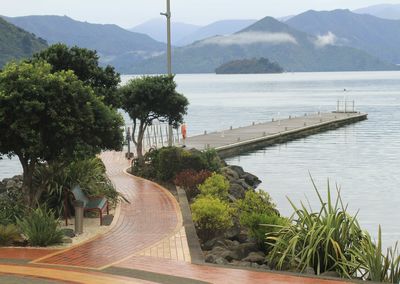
x=248, y=38
x=327, y=39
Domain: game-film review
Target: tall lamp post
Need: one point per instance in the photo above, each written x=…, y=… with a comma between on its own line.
x=169, y=61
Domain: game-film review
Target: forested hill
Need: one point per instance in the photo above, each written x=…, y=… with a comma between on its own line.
x=115, y=45
x=376, y=36
x=16, y=43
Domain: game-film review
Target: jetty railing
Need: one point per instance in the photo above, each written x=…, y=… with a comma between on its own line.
x=156, y=136
x=345, y=106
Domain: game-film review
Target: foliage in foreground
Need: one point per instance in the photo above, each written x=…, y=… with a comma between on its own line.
x=322, y=240
x=189, y=180
x=11, y=207
x=216, y=186
x=258, y=214
x=165, y=163
x=8, y=234
x=211, y=216
x=85, y=64
x=371, y=264
x=51, y=117
x=41, y=227
x=57, y=180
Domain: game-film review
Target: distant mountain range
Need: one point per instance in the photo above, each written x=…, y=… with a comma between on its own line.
x=269, y=38
x=379, y=37
x=16, y=43
x=224, y=27
x=313, y=41
x=156, y=28
x=184, y=34
x=111, y=41
x=385, y=11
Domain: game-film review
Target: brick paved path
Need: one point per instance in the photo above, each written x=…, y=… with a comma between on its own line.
x=146, y=237
x=151, y=216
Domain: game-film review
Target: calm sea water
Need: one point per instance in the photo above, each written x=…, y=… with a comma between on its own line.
x=363, y=159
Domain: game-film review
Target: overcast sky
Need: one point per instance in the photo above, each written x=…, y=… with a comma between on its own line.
x=128, y=13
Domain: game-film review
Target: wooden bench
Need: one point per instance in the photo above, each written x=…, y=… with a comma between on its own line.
x=93, y=204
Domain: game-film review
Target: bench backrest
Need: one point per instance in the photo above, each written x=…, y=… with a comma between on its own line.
x=79, y=195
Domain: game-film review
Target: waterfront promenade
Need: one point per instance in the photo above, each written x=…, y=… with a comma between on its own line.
x=146, y=243
x=230, y=142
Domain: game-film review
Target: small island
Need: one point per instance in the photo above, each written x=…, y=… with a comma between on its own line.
x=250, y=66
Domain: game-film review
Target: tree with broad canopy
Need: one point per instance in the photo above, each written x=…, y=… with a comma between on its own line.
x=152, y=98
x=48, y=116
x=85, y=64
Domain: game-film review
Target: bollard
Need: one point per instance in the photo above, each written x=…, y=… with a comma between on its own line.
x=238, y=140
x=305, y=124
x=264, y=133
x=290, y=117
x=231, y=127
x=254, y=123
x=286, y=128
x=205, y=132
x=78, y=205
x=272, y=120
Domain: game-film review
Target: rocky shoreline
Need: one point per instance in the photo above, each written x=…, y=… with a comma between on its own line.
x=235, y=247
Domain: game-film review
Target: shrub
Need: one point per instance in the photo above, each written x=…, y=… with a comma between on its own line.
x=192, y=160
x=211, y=216
x=165, y=163
x=8, y=234
x=57, y=179
x=216, y=185
x=213, y=161
x=189, y=181
x=261, y=224
x=258, y=214
x=41, y=227
x=322, y=240
x=11, y=207
x=147, y=168
x=259, y=202
x=168, y=163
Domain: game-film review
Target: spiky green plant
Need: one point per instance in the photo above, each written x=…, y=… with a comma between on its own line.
x=320, y=239
x=394, y=267
x=57, y=179
x=371, y=263
x=41, y=227
x=369, y=260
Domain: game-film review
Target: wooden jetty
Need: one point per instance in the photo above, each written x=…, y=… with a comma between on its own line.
x=236, y=140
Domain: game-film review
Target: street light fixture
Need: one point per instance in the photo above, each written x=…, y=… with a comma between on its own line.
x=169, y=56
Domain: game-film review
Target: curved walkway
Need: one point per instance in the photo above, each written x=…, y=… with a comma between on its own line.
x=151, y=216
x=146, y=241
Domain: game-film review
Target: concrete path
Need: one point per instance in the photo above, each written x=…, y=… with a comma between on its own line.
x=146, y=243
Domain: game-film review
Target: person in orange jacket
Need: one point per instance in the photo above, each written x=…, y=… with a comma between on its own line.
x=184, y=132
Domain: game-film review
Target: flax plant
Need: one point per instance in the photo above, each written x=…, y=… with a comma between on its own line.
x=321, y=240
x=372, y=264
